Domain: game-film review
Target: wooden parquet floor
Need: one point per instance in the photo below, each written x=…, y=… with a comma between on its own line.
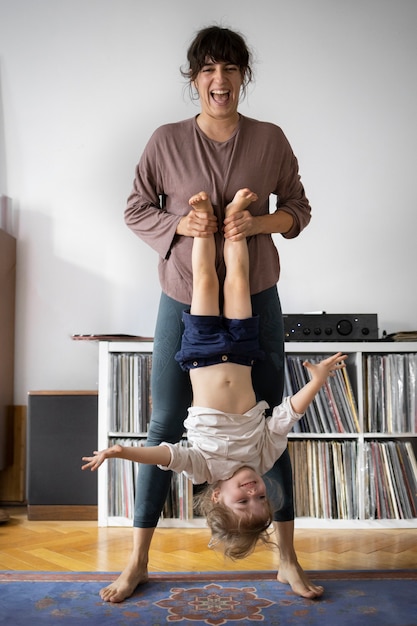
x=82, y=546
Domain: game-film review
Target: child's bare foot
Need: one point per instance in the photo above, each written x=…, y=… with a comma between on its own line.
x=201, y=202
x=243, y=198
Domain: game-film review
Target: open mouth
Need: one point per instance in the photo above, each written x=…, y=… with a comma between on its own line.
x=220, y=96
x=249, y=485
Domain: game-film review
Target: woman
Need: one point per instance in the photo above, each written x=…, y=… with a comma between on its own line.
x=220, y=151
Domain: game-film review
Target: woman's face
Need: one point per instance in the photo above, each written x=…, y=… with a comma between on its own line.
x=218, y=85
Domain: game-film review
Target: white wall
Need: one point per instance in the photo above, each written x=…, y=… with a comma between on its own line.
x=83, y=83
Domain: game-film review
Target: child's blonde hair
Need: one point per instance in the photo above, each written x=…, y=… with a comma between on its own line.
x=238, y=534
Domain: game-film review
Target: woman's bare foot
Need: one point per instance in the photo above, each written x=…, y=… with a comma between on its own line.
x=201, y=202
x=292, y=574
x=124, y=586
x=243, y=198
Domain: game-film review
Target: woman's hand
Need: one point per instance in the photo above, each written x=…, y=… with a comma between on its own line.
x=197, y=224
x=240, y=225
x=243, y=224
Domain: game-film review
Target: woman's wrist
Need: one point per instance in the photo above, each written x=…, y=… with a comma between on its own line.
x=278, y=222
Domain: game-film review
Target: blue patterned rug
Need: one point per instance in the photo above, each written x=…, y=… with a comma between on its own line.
x=387, y=598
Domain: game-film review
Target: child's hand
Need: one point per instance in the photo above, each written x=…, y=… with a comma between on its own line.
x=321, y=371
x=94, y=462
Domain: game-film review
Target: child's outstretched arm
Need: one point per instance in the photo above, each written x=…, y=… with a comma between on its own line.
x=319, y=373
x=150, y=455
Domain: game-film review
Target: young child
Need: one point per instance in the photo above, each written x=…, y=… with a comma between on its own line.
x=232, y=442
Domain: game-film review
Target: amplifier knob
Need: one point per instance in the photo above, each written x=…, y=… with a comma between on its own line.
x=328, y=330
x=344, y=327
x=306, y=331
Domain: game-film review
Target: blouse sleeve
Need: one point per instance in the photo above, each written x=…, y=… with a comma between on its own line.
x=291, y=196
x=145, y=214
x=188, y=461
x=283, y=418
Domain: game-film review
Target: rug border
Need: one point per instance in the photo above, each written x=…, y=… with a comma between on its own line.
x=222, y=576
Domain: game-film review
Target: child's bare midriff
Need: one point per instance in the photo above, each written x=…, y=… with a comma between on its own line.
x=226, y=387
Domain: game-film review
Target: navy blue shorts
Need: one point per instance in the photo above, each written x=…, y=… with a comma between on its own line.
x=212, y=339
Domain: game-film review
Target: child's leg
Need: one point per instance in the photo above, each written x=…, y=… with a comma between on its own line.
x=237, y=302
x=205, y=298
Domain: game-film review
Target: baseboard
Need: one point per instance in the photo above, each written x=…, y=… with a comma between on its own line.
x=62, y=512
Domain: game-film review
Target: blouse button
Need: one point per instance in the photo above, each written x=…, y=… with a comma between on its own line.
x=195, y=363
x=224, y=357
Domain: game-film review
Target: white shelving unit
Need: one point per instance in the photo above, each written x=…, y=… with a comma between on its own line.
x=106, y=349
x=357, y=352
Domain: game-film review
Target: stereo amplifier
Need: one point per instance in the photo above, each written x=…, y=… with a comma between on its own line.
x=331, y=327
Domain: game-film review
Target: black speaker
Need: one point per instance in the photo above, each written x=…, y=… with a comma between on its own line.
x=62, y=427
x=331, y=327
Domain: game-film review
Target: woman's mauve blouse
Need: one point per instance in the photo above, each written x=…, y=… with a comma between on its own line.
x=180, y=161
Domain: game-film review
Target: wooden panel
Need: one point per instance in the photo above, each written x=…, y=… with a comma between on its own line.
x=12, y=479
x=7, y=313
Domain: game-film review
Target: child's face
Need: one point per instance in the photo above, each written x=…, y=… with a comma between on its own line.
x=244, y=493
